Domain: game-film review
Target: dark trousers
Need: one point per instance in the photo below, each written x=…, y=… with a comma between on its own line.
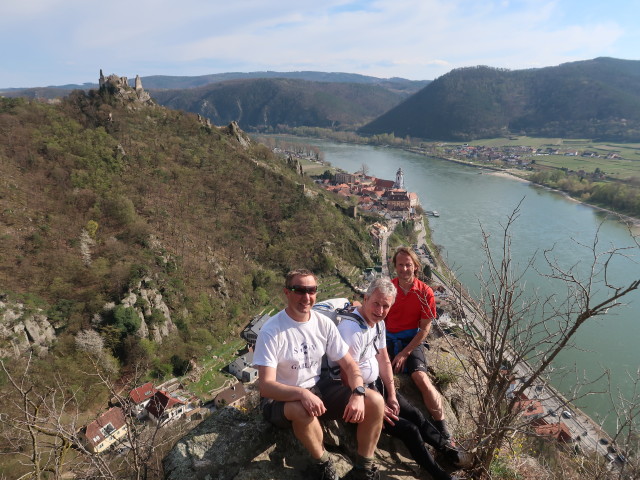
x=414, y=430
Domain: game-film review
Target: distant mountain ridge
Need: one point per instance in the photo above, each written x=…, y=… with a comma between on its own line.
x=158, y=82
x=265, y=104
x=597, y=99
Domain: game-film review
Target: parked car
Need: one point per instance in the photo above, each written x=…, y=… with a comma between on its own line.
x=604, y=441
x=621, y=458
x=552, y=412
x=567, y=414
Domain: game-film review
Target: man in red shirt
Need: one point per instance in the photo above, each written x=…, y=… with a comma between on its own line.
x=408, y=324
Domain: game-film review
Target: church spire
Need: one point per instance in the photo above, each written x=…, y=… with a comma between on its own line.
x=399, y=179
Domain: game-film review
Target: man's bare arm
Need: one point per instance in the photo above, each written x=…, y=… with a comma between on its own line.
x=423, y=331
x=392, y=407
x=354, y=411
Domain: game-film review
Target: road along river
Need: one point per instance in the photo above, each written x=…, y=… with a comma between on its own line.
x=468, y=198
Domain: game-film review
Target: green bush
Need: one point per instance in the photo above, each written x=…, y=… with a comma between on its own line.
x=156, y=318
x=180, y=365
x=119, y=209
x=161, y=370
x=126, y=319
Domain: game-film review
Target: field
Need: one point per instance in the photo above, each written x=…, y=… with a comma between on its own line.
x=212, y=377
x=626, y=166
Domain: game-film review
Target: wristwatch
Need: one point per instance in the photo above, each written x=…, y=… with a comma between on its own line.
x=359, y=391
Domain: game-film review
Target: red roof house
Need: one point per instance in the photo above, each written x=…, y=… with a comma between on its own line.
x=105, y=431
x=164, y=408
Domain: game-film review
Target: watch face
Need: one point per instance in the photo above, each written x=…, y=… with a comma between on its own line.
x=359, y=390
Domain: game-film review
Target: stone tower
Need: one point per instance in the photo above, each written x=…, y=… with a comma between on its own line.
x=399, y=179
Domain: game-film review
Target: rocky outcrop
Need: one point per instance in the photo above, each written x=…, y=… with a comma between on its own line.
x=205, y=122
x=120, y=89
x=155, y=317
x=237, y=444
x=234, y=131
x=23, y=330
x=295, y=164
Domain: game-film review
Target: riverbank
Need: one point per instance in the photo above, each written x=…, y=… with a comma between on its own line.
x=632, y=222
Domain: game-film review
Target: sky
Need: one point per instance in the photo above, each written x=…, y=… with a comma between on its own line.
x=57, y=42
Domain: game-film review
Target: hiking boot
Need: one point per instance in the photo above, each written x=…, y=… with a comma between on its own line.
x=463, y=460
x=449, y=442
x=325, y=471
x=363, y=474
x=456, y=456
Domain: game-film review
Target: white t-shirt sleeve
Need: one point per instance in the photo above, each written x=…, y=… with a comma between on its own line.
x=382, y=338
x=265, y=349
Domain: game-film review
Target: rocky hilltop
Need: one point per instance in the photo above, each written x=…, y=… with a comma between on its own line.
x=119, y=87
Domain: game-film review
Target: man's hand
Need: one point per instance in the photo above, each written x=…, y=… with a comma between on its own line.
x=312, y=403
x=390, y=416
x=399, y=361
x=354, y=411
x=391, y=409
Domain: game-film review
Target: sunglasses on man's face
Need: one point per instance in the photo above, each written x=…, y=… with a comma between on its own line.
x=301, y=290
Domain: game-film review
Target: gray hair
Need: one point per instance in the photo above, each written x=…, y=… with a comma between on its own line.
x=384, y=286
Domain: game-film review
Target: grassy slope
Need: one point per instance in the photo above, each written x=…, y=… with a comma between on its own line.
x=213, y=224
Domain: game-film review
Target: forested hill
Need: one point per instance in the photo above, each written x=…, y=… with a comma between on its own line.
x=264, y=104
x=97, y=193
x=596, y=99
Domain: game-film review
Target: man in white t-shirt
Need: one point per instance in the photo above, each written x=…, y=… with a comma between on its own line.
x=288, y=354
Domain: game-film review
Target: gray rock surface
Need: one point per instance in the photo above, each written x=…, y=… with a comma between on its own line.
x=239, y=445
x=22, y=330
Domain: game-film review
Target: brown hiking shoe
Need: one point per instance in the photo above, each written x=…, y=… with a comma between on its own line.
x=363, y=474
x=325, y=471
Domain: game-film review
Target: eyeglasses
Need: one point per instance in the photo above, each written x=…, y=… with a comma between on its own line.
x=301, y=290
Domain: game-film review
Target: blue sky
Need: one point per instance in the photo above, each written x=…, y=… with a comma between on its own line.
x=55, y=42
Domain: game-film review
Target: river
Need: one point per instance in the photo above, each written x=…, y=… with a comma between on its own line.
x=467, y=199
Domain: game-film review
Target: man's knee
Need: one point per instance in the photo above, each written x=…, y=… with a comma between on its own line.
x=373, y=404
x=421, y=379
x=296, y=413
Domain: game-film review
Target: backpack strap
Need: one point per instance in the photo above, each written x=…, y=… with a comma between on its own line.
x=353, y=316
